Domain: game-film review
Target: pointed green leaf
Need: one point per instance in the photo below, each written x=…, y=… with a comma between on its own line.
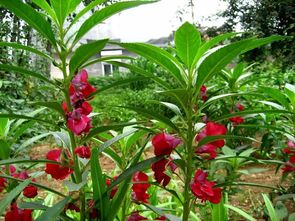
x=26, y=48
x=187, y=42
x=271, y=210
x=240, y=212
x=277, y=95
x=4, y=150
x=159, y=56
x=12, y=195
x=46, y=7
x=53, y=212
x=290, y=91
x=61, y=9
x=4, y=124
x=105, y=13
x=53, y=105
x=32, y=17
x=18, y=116
x=84, y=52
x=23, y=71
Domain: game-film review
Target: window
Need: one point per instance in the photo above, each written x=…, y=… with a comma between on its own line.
x=107, y=69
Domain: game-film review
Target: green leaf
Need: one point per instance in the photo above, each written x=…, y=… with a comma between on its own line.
x=290, y=91
x=159, y=56
x=271, y=210
x=110, y=142
x=154, y=115
x=210, y=139
x=291, y=217
x=98, y=130
x=73, y=4
x=240, y=212
x=25, y=160
x=4, y=150
x=53, y=212
x=12, y=195
x=172, y=107
x=219, y=211
x=20, y=70
x=53, y=105
x=160, y=212
x=105, y=13
x=31, y=141
x=61, y=9
x=142, y=72
x=32, y=17
x=187, y=42
x=26, y=48
x=32, y=206
x=107, y=58
x=97, y=181
x=4, y=124
x=281, y=210
x=131, y=170
x=277, y=95
x=18, y=116
x=46, y=7
x=84, y=52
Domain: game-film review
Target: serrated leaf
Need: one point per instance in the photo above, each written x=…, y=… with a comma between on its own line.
x=187, y=41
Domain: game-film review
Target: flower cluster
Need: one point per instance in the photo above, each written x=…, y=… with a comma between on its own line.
x=164, y=144
x=290, y=164
x=80, y=89
x=62, y=170
x=204, y=189
x=203, y=91
x=139, y=187
x=17, y=214
x=114, y=190
x=211, y=129
x=238, y=119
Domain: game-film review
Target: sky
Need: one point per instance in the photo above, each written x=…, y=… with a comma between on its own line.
x=160, y=19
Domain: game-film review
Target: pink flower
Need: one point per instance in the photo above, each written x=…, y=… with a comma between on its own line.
x=240, y=106
x=237, y=120
x=164, y=144
x=139, y=187
x=57, y=171
x=213, y=129
x=290, y=149
x=159, y=169
x=207, y=151
x=83, y=152
x=78, y=122
x=204, y=189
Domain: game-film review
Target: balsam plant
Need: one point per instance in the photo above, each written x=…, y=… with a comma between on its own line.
x=183, y=145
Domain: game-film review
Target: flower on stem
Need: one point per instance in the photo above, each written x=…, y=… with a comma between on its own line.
x=289, y=165
x=203, y=91
x=139, y=187
x=159, y=169
x=93, y=212
x=17, y=214
x=29, y=191
x=57, y=171
x=207, y=151
x=78, y=122
x=164, y=144
x=204, y=189
x=83, y=152
x=114, y=190
x=240, y=106
x=73, y=207
x=136, y=217
x=290, y=149
x=237, y=120
x=213, y=129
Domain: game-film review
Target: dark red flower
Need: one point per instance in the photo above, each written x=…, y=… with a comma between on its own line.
x=57, y=171
x=93, y=212
x=159, y=169
x=2, y=184
x=83, y=152
x=161, y=218
x=203, y=91
x=30, y=191
x=240, y=106
x=164, y=144
x=213, y=129
x=78, y=122
x=16, y=214
x=237, y=120
x=290, y=149
x=207, y=151
x=204, y=189
x=114, y=190
x=289, y=165
x=136, y=217
x=139, y=187
x=73, y=207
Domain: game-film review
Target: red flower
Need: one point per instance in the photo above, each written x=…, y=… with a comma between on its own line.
x=83, y=152
x=213, y=129
x=290, y=165
x=203, y=91
x=57, y=171
x=161, y=218
x=2, y=184
x=80, y=87
x=240, y=106
x=159, y=171
x=204, y=189
x=140, y=186
x=114, y=190
x=73, y=207
x=164, y=144
x=93, y=212
x=237, y=120
x=16, y=214
x=30, y=191
x=78, y=122
x=208, y=151
x=136, y=217
x=290, y=149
